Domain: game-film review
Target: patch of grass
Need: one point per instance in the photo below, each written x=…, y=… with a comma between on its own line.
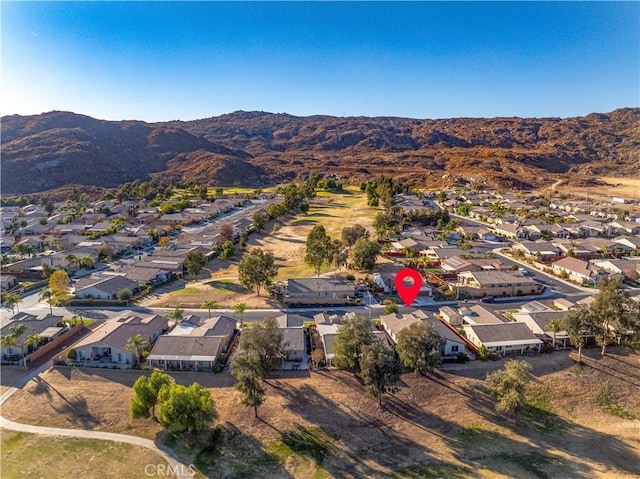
x=608, y=403
x=34, y=456
x=185, y=292
x=536, y=413
x=312, y=443
x=472, y=433
x=532, y=463
x=435, y=470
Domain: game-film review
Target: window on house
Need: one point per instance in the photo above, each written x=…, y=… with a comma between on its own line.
x=454, y=349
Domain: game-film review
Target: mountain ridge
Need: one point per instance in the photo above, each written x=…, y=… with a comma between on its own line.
x=44, y=152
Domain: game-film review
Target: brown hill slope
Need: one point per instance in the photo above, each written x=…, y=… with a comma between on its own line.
x=49, y=150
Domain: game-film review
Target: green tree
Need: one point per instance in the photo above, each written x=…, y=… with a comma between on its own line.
x=125, y=294
x=177, y=314
x=195, y=262
x=239, y=309
x=17, y=331
x=59, y=283
x=228, y=250
x=249, y=374
x=555, y=326
x=260, y=220
x=337, y=255
x=46, y=295
x=509, y=386
x=257, y=269
x=266, y=341
x=364, y=254
x=71, y=260
x=420, y=347
x=577, y=323
x=318, y=246
x=354, y=334
x=146, y=390
x=209, y=305
x=86, y=262
x=32, y=342
x=185, y=409
x=11, y=300
x=379, y=369
x=137, y=344
x=351, y=234
x=381, y=224
x=391, y=308
x=611, y=312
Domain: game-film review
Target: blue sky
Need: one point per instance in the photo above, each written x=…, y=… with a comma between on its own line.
x=161, y=61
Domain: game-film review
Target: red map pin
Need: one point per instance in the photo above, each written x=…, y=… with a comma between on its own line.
x=408, y=292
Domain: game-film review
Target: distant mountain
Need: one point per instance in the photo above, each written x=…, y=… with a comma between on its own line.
x=58, y=149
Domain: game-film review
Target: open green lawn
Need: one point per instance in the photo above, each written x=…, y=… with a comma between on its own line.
x=35, y=456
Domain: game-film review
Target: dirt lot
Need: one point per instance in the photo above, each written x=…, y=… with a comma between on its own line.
x=583, y=421
x=333, y=211
x=625, y=187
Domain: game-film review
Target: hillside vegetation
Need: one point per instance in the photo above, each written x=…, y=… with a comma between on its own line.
x=58, y=149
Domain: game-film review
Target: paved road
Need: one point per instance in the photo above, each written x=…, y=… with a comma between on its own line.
x=180, y=470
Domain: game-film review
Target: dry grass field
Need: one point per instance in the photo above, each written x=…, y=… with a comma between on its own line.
x=333, y=210
x=582, y=421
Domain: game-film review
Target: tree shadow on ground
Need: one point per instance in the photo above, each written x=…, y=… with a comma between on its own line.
x=366, y=444
x=550, y=446
x=226, y=452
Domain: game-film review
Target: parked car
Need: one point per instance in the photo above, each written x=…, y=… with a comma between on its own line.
x=488, y=299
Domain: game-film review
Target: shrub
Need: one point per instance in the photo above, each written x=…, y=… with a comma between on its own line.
x=350, y=277
x=72, y=354
x=462, y=358
x=484, y=353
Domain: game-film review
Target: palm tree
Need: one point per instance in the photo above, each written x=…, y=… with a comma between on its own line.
x=86, y=262
x=33, y=340
x=11, y=300
x=210, y=304
x=71, y=259
x=555, y=327
x=176, y=314
x=45, y=295
x=16, y=331
x=137, y=344
x=8, y=341
x=239, y=309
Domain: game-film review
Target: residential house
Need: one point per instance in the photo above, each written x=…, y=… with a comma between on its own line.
x=7, y=282
x=629, y=244
x=538, y=323
x=394, y=323
x=106, y=345
x=503, y=338
x=495, y=283
x=543, y=251
x=578, y=270
x=318, y=291
x=194, y=344
x=102, y=286
x=510, y=230
x=622, y=227
x=47, y=326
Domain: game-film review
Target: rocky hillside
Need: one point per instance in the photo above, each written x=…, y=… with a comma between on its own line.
x=56, y=149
